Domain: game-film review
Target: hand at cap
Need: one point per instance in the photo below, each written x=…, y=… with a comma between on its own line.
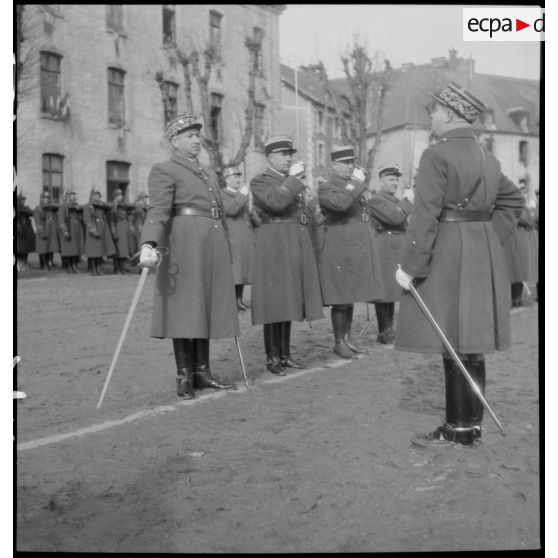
x=297, y=169
x=409, y=195
x=358, y=175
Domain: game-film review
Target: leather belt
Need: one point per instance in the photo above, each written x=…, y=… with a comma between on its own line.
x=362, y=218
x=464, y=216
x=266, y=220
x=181, y=211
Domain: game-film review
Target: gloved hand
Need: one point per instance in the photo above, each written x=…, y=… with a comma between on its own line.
x=404, y=279
x=358, y=175
x=67, y=235
x=298, y=169
x=244, y=190
x=531, y=204
x=409, y=195
x=148, y=256
x=367, y=194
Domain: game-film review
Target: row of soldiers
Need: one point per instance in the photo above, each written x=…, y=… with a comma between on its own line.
x=96, y=230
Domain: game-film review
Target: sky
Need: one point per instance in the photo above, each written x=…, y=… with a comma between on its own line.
x=401, y=33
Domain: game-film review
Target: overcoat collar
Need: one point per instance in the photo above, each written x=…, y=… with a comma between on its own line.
x=387, y=195
x=465, y=132
x=275, y=175
x=194, y=166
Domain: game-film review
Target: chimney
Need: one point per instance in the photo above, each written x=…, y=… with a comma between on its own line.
x=453, y=61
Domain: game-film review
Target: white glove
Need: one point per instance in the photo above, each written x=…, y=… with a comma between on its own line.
x=531, y=204
x=244, y=190
x=404, y=279
x=358, y=175
x=148, y=256
x=297, y=169
x=409, y=195
x=367, y=194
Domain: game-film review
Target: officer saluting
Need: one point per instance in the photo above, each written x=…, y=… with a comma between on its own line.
x=285, y=285
x=194, y=295
x=389, y=216
x=349, y=260
x=464, y=209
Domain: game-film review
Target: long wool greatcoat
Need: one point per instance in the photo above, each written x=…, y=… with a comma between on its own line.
x=241, y=235
x=98, y=236
x=522, y=250
x=121, y=227
x=194, y=291
x=68, y=221
x=349, y=262
x=136, y=218
x=285, y=284
x=46, y=229
x=389, y=218
x=462, y=267
x=24, y=229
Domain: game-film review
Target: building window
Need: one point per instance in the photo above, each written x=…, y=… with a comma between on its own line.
x=215, y=114
x=170, y=91
x=169, y=24
x=118, y=177
x=258, y=57
x=524, y=152
x=320, y=153
x=259, y=111
x=116, y=96
x=50, y=81
x=336, y=128
x=320, y=122
x=115, y=20
x=215, y=31
x=53, y=175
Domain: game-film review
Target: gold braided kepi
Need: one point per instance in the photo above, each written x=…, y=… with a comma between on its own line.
x=463, y=103
x=180, y=124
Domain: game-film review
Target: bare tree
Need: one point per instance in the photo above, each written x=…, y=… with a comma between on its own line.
x=197, y=67
x=365, y=94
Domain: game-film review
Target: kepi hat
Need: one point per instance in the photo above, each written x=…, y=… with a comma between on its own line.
x=391, y=169
x=342, y=153
x=463, y=103
x=181, y=123
x=279, y=143
x=231, y=171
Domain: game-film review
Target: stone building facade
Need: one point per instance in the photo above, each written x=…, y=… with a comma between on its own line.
x=90, y=111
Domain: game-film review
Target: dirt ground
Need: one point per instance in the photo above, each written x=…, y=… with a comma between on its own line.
x=317, y=461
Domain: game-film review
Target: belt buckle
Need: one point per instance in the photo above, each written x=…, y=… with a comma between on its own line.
x=215, y=213
x=365, y=217
x=303, y=218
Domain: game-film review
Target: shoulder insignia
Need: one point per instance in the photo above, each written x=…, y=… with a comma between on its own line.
x=349, y=187
x=283, y=188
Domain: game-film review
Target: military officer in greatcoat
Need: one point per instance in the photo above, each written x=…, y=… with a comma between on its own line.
x=71, y=232
x=25, y=235
x=349, y=262
x=464, y=210
x=285, y=283
x=98, y=235
x=389, y=218
x=136, y=218
x=194, y=299
x=521, y=249
x=236, y=206
x=120, y=228
x=46, y=228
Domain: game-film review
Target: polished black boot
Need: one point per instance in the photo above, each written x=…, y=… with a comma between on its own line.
x=287, y=361
x=272, y=344
x=476, y=367
x=390, y=319
x=122, y=266
x=41, y=261
x=382, y=315
x=202, y=373
x=184, y=356
x=116, y=266
x=516, y=292
x=74, y=264
x=239, y=304
x=48, y=261
x=338, y=318
x=347, y=331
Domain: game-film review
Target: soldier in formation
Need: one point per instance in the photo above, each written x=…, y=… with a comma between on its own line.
x=120, y=229
x=46, y=230
x=236, y=206
x=25, y=235
x=71, y=232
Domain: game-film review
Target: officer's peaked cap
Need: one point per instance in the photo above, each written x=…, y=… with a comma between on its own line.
x=342, y=153
x=463, y=103
x=389, y=169
x=231, y=171
x=180, y=124
x=279, y=143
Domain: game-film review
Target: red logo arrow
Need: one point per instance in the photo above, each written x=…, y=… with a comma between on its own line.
x=519, y=25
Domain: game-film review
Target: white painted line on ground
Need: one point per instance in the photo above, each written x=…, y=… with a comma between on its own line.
x=167, y=409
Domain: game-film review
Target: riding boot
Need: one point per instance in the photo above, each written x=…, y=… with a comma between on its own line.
x=184, y=356
x=116, y=267
x=287, y=361
x=74, y=264
x=64, y=264
x=239, y=304
x=347, y=330
x=338, y=318
x=48, y=261
x=380, y=308
x=272, y=344
x=41, y=261
x=122, y=265
x=389, y=317
x=459, y=405
x=476, y=367
x=202, y=373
